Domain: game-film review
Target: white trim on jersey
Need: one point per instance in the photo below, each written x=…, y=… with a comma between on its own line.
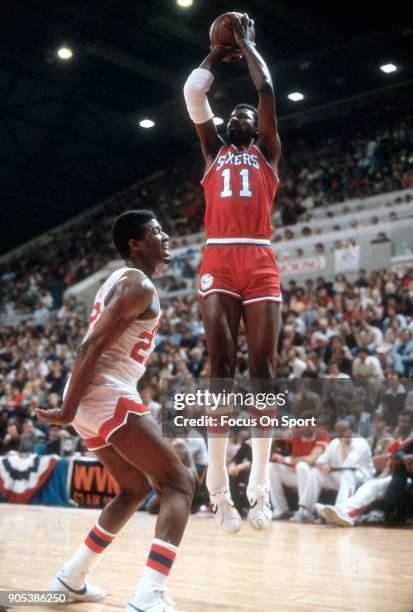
x=268, y=164
x=213, y=163
x=255, y=241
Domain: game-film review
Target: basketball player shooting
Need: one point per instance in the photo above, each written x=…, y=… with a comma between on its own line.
x=103, y=405
x=239, y=275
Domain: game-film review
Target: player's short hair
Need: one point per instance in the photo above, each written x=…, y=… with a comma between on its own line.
x=248, y=107
x=130, y=224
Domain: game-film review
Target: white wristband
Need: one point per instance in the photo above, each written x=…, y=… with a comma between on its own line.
x=195, y=89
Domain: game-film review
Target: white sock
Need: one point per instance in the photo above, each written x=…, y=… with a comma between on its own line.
x=260, y=468
x=158, y=566
x=88, y=553
x=217, y=475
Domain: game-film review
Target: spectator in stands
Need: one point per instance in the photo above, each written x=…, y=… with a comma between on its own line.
x=392, y=332
x=381, y=237
x=56, y=377
x=368, y=336
x=305, y=400
x=348, y=511
x=359, y=419
x=306, y=445
x=297, y=365
x=379, y=440
x=53, y=444
x=11, y=440
x=402, y=354
x=345, y=451
x=147, y=399
x=393, y=399
x=367, y=370
x=41, y=316
x=29, y=437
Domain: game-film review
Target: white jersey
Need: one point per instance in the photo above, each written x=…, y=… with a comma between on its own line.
x=123, y=364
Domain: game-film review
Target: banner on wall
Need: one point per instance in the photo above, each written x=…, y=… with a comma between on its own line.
x=304, y=265
x=23, y=475
x=89, y=484
x=347, y=259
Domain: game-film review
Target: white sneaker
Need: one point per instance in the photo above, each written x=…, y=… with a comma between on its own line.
x=226, y=515
x=63, y=581
x=320, y=508
x=260, y=513
x=302, y=515
x=332, y=514
x=157, y=601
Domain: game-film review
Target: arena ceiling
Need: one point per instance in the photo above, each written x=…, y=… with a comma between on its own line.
x=68, y=130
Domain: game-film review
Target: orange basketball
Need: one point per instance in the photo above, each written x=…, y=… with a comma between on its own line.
x=221, y=32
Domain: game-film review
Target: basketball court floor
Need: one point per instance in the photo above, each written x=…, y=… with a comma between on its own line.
x=290, y=568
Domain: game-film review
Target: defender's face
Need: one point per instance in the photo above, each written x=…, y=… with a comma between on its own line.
x=156, y=243
x=241, y=126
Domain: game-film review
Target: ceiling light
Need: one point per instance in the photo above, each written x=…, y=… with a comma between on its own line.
x=387, y=68
x=218, y=121
x=296, y=96
x=65, y=53
x=184, y=3
x=146, y=123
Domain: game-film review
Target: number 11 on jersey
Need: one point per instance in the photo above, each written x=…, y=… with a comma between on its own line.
x=226, y=183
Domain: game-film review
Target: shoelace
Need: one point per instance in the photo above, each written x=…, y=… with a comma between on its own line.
x=224, y=502
x=261, y=500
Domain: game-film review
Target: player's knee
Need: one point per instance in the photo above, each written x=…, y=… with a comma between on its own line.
x=180, y=481
x=186, y=484
x=136, y=490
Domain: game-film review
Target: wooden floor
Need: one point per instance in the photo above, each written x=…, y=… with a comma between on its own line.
x=300, y=568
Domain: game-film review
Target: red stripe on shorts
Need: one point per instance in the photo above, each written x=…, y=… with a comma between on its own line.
x=123, y=408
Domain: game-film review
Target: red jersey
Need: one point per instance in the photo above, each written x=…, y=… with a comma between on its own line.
x=395, y=446
x=303, y=446
x=240, y=188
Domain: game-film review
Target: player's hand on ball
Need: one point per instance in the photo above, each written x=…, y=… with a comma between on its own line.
x=54, y=417
x=227, y=54
x=244, y=30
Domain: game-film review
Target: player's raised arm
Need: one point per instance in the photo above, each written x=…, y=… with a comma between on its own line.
x=268, y=139
x=131, y=298
x=195, y=91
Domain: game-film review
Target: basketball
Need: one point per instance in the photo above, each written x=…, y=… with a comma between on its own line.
x=221, y=32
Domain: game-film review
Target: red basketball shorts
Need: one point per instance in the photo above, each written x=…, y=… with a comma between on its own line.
x=243, y=270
